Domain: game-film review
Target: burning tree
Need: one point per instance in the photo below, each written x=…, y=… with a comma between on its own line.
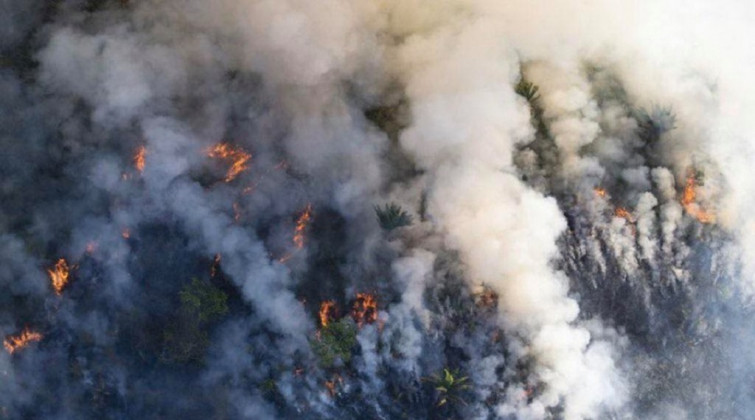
x=392, y=216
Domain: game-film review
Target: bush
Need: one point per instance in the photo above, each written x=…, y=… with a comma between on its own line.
x=187, y=338
x=527, y=90
x=391, y=216
x=203, y=301
x=449, y=386
x=334, y=342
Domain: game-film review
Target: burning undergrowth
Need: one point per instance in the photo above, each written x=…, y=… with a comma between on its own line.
x=258, y=210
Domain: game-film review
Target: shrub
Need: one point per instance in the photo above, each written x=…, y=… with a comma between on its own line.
x=392, y=216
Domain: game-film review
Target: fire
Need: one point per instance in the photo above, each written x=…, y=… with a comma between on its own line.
x=689, y=204
x=624, y=214
x=15, y=342
x=301, y=225
x=331, y=384
x=139, y=156
x=365, y=309
x=600, y=192
x=215, y=265
x=59, y=275
x=327, y=312
x=126, y=233
x=238, y=158
x=487, y=298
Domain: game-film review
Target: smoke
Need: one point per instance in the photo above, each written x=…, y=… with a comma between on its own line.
x=515, y=210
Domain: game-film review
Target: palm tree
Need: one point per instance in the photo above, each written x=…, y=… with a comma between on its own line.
x=391, y=216
x=449, y=387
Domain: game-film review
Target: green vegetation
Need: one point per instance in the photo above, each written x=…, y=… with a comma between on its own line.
x=203, y=301
x=392, y=216
x=449, y=386
x=527, y=90
x=187, y=338
x=335, y=341
x=530, y=92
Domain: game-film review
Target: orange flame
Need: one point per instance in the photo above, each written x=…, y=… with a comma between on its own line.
x=365, y=309
x=689, y=204
x=301, y=226
x=327, y=312
x=238, y=158
x=624, y=214
x=600, y=192
x=139, y=156
x=59, y=276
x=13, y=343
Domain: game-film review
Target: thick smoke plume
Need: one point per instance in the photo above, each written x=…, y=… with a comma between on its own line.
x=382, y=209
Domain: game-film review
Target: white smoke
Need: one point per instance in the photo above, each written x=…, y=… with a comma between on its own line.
x=157, y=73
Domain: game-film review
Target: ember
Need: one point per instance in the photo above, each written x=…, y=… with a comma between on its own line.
x=301, y=226
x=139, y=157
x=59, y=276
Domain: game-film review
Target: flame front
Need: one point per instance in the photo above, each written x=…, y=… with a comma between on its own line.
x=327, y=312
x=600, y=192
x=16, y=342
x=365, y=309
x=691, y=207
x=59, y=275
x=301, y=225
x=238, y=158
x=139, y=156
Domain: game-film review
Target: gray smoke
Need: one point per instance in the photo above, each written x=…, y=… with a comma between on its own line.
x=576, y=242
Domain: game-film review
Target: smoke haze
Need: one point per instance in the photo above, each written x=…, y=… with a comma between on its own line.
x=382, y=209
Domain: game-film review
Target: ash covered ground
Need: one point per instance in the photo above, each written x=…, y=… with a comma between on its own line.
x=380, y=209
